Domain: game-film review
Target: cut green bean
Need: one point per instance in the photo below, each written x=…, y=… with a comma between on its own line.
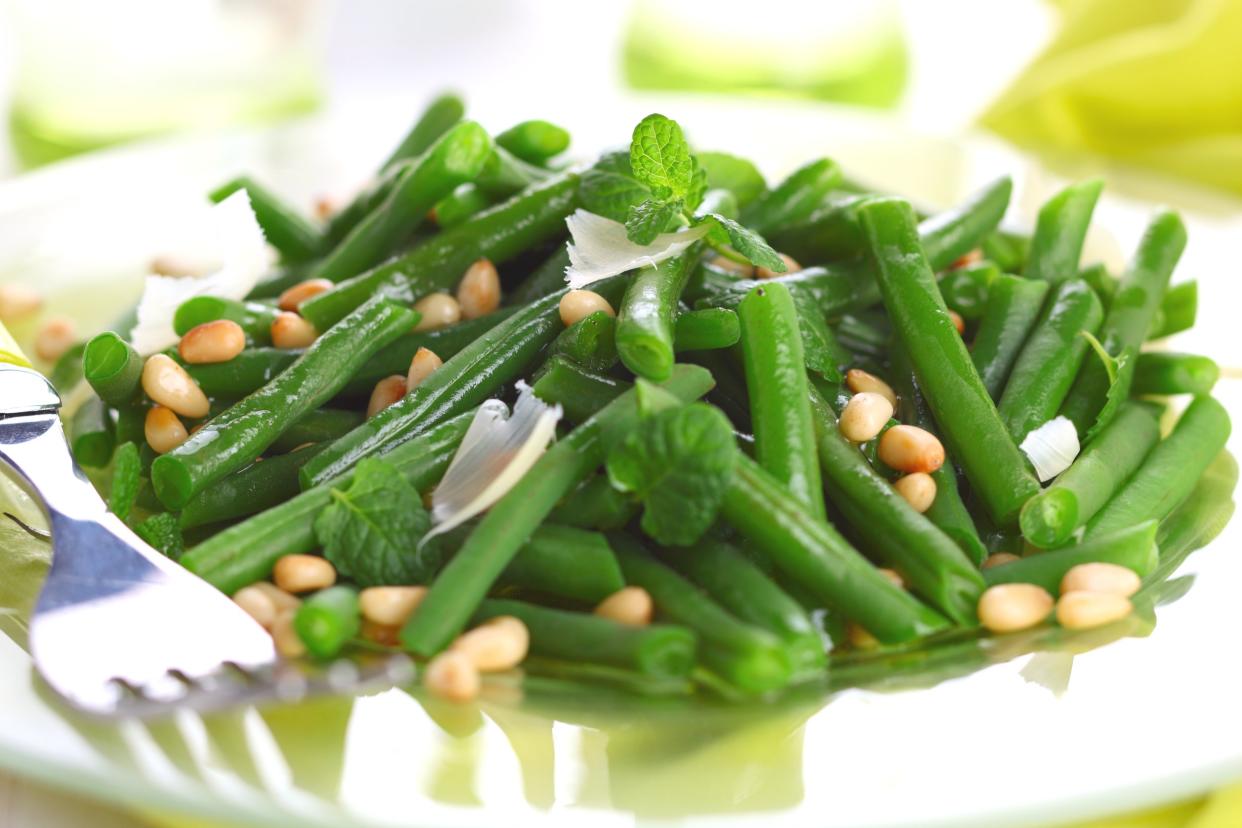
x=546, y=279
x=320, y=426
x=534, y=141
x=465, y=201
x=328, y=620
x=256, y=488
x=92, y=436
x=295, y=238
x=565, y=562
x=578, y=391
x=504, y=174
x=709, y=329
x=965, y=289
x=646, y=317
x=1133, y=547
x=830, y=233
x=1013, y=307
x=596, y=505
x=244, y=374
x=591, y=342
x=794, y=199
x=255, y=318
x=1177, y=310
x=1060, y=231
x=1164, y=372
x=113, y=368
x=438, y=118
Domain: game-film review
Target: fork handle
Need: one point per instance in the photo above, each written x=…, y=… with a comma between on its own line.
x=34, y=447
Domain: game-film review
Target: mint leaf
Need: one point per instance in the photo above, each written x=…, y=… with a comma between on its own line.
x=162, y=532
x=611, y=194
x=725, y=232
x=679, y=463
x=371, y=530
x=1120, y=373
x=126, y=478
x=649, y=219
x=698, y=186
x=737, y=175
x=660, y=157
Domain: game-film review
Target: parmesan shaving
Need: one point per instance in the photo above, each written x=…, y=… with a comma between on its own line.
x=1052, y=447
x=600, y=248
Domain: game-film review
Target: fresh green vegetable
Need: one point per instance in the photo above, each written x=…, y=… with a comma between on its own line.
x=591, y=342
x=546, y=279
x=92, y=436
x=1013, y=307
x=113, y=368
x=1177, y=310
x=596, y=505
x=295, y=238
x=1133, y=547
x=578, y=391
x=255, y=318
x=465, y=201
x=647, y=315
x=327, y=620
x=535, y=141
x=565, y=562
x=440, y=115
x=830, y=233
x=965, y=289
x=321, y=426
x=706, y=330
x=255, y=488
x=795, y=198
x=161, y=533
x=126, y=480
x=1164, y=372
x=1060, y=231
x=729, y=172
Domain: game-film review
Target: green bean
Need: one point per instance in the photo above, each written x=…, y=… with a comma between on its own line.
x=1013, y=307
x=500, y=233
x=579, y=391
x=795, y=198
x=746, y=591
x=1164, y=372
x=440, y=115
x=256, y=488
x=596, y=505
x=295, y=238
x=1102, y=282
x=92, y=435
x=748, y=657
x=706, y=330
x=327, y=620
x=457, y=157
x=285, y=277
x=776, y=381
x=131, y=423
x=567, y=563
x=951, y=234
x=823, y=352
x=965, y=289
x=1060, y=231
x=243, y=374
x=1050, y=359
x=934, y=566
x=459, y=587
x=504, y=174
x=534, y=141
x=320, y=426
x=830, y=233
x=255, y=318
x=1130, y=315
x=591, y=342
x=247, y=551
x=1133, y=547
x=234, y=438
x=660, y=650
x=1170, y=470
x=972, y=427
x=546, y=279
x=646, y=317
x=161, y=533
x=126, y=480
x=371, y=196
x=466, y=380
x=1008, y=250
x=113, y=368
x=813, y=554
x=465, y=201
x=1177, y=310
x=1197, y=522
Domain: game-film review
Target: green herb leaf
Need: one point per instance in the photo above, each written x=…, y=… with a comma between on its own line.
x=163, y=533
x=698, y=186
x=126, y=478
x=679, y=462
x=725, y=232
x=1120, y=372
x=611, y=194
x=728, y=172
x=660, y=157
x=371, y=530
x=651, y=218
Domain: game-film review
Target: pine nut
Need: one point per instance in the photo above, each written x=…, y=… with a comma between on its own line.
x=1101, y=577
x=499, y=644
x=909, y=448
x=55, y=336
x=390, y=605
x=1012, y=607
x=791, y=266
x=438, y=310
x=1084, y=610
x=17, y=302
x=452, y=675
x=285, y=637
x=293, y=297
x=893, y=576
x=967, y=258
x=177, y=267
x=958, y=322
x=859, y=637
x=380, y=633
x=168, y=384
x=742, y=270
x=163, y=429
x=325, y=207
x=578, y=304
x=283, y=600
x=865, y=416
x=859, y=381
x=387, y=391
x=479, y=291
x=217, y=341
x=292, y=331
x=424, y=364
x=631, y=606
x=999, y=559
x=303, y=573
x=257, y=604
x=919, y=490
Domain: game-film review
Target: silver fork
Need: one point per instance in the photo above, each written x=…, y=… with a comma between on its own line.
x=119, y=629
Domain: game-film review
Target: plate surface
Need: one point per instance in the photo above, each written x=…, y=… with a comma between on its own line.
x=1027, y=740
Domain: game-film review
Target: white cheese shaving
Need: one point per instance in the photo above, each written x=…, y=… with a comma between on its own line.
x=1052, y=447
x=229, y=235
x=600, y=248
x=496, y=452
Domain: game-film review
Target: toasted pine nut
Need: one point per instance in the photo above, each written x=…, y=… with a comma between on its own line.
x=285, y=637
x=423, y=365
x=257, y=604
x=55, y=336
x=452, y=675
x=1084, y=610
x=380, y=633
x=578, y=304
x=499, y=644
x=742, y=270
x=630, y=605
x=1011, y=607
x=998, y=559
x=217, y=341
x=169, y=265
x=325, y=207
x=791, y=266
x=864, y=416
x=292, y=331
x=303, y=573
x=859, y=637
x=479, y=291
x=909, y=448
x=958, y=322
x=163, y=429
x=18, y=301
x=967, y=258
x=919, y=490
x=438, y=310
x=283, y=600
x=390, y=605
x=386, y=392
x=293, y=297
x=860, y=381
x=1101, y=577
x=894, y=576
x=168, y=384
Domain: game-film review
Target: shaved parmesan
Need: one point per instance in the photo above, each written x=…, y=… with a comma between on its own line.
x=600, y=248
x=230, y=237
x=496, y=452
x=1052, y=447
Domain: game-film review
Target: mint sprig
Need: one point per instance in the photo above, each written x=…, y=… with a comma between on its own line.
x=660, y=158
